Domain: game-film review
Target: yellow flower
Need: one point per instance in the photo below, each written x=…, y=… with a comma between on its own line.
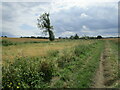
x=17, y=87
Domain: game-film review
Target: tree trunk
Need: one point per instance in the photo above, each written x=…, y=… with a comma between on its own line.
x=51, y=35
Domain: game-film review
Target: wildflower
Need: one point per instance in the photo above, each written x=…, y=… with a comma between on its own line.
x=18, y=87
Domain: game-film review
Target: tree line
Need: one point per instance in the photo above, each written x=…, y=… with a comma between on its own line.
x=71, y=37
x=84, y=37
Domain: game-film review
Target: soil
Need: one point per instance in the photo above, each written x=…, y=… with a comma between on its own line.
x=103, y=77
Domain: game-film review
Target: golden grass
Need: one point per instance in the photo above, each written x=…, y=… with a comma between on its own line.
x=36, y=49
x=116, y=39
x=24, y=39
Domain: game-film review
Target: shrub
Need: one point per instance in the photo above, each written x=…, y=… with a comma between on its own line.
x=47, y=71
x=53, y=53
x=23, y=73
x=65, y=58
x=7, y=43
x=81, y=50
x=99, y=37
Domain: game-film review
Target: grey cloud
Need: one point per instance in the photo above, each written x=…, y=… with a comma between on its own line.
x=99, y=19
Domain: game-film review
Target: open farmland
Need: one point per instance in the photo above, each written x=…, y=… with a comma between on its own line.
x=36, y=63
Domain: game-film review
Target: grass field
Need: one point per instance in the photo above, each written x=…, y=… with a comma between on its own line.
x=36, y=63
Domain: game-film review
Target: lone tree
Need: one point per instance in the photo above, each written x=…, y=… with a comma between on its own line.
x=71, y=37
x=76, y=36
x=45, y=25
x=99, y=37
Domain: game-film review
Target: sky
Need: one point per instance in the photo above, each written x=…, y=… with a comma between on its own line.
x=68, y=17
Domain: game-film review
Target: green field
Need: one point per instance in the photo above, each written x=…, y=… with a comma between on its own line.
x=28, y=63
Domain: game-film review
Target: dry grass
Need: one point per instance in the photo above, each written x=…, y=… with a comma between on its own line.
x=35, y=49
x=24, y=39
x=115, y=39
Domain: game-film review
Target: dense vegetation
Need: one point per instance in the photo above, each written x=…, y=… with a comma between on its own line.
x=71, y=67
x=8, y=43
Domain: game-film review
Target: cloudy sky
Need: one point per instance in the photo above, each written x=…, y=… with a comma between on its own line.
x=82, y=17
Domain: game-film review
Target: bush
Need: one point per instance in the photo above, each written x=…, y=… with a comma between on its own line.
x=81, y=50
x=7, y=43
x=53, y=53
x=99, y=37
x=66, y=58
x=23, y=73
x=47, y=71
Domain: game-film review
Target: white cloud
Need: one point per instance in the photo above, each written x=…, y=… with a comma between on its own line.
x=82, y=1
x=17, y=14
x=0, y=18
x=67, y=33
x=84, y=15
x=67, y=17
x=84, y=27
x=85, y=30
x=26, y=0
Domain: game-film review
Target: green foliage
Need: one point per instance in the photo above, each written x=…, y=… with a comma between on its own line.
x=53, y=53
x=76, y=36
x=71, y=37
x=99, y=37
x=65, y=59
x=85, y=37
x=81, y=50
x=76, y=71
x=26, y=73
x=74, y=68
x=47, y=70
x=7, y=43
x=35, y=42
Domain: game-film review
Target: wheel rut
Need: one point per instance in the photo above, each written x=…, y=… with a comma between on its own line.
x=104, y=72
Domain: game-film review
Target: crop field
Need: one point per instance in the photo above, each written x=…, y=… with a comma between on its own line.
x=40, y=63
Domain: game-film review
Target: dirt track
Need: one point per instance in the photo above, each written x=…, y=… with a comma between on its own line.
x=106, y=76
x=99, y=79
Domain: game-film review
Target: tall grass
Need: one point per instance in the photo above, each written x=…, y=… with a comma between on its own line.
x=78, y=69
x=73, y=67
x=8, y=42
x=26, y=73
x=115, y=61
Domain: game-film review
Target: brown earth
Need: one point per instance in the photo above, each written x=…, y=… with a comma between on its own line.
x=106, y=75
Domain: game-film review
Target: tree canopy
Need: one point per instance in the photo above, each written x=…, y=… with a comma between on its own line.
x=45, y=24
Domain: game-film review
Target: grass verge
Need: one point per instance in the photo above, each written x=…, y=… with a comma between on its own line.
x=70, y=68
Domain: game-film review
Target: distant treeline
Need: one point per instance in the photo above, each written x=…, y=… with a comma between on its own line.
x=36, y=37
x=71, y=37
x=84, y=37
x=4, y=36
x=78, y=38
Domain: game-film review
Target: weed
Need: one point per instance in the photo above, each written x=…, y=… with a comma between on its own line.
x=47, y=71
x=74, y=66
x=7, y=43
